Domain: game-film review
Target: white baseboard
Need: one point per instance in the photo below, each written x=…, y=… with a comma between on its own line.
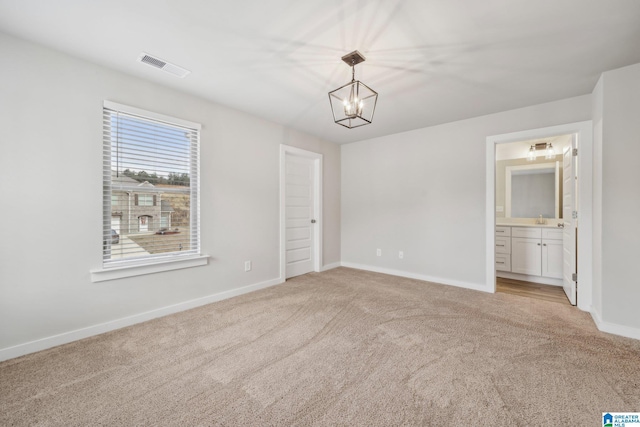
x=78, y=334
x=614, y=328
x=400, y=273
x=330, y=266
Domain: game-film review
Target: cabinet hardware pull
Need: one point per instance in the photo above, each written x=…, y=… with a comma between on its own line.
x=500, y=245
x=538, y=244
x=499, y=262
x=544, y=244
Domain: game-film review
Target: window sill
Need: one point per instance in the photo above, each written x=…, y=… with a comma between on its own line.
x=120, y=272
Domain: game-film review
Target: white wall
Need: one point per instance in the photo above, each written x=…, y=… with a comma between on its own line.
x=619, y=102
x=51, y=192
x=423, y=192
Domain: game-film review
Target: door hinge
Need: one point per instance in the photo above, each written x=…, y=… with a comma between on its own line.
x=574, y=277
x=574, y=214
x=575, y=151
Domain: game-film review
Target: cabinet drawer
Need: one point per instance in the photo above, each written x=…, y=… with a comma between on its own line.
x=503, y=231
x=552, y=233
x=503, y=262
x=528, y=232
x=503, y=245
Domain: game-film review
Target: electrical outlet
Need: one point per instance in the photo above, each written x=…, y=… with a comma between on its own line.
x=400, y=254
x=379, y=252
x=247, y=266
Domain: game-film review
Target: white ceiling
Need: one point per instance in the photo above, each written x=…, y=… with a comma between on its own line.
x=432, y=61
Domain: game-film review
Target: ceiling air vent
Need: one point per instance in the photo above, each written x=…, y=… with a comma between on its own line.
x=163, y=65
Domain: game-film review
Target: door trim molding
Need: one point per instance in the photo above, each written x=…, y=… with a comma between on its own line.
x=584, y=130
x=317, y=157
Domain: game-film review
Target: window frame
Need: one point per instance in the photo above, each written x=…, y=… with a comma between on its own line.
x=157, y=262
x=148, y=199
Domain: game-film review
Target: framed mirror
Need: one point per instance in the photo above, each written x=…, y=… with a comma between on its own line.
x=533, y=190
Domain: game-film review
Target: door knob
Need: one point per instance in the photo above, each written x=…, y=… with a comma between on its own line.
x=313, y=221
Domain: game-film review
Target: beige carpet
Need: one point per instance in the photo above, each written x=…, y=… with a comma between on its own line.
x=344, y=347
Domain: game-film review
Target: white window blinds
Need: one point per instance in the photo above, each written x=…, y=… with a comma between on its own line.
x=150, y=187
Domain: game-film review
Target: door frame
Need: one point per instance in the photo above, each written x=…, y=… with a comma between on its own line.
x=317, y=165
x=584, y=130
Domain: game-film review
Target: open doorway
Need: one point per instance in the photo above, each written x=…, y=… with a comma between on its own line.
x=535, y=198
x=530, y=182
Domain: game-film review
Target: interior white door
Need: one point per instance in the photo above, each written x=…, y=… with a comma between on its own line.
x=300, y=221
x=569, y=183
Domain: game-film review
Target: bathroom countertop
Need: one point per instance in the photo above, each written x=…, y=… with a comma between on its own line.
x=550, y=224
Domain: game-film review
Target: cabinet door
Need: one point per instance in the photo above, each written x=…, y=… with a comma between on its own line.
x=526, y=256
x=552, y=258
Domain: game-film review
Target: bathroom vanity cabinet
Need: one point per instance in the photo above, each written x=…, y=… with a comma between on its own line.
x=535, y=252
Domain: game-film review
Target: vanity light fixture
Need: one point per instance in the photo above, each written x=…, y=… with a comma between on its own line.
x=549, y=152
x=353, y=104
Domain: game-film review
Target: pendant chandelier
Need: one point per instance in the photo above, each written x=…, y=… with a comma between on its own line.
x=353, y=104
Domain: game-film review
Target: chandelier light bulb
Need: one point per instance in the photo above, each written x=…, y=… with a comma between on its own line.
x=353, y=106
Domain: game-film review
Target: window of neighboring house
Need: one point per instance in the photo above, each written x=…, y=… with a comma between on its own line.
x=146, y=154
x=145, y=200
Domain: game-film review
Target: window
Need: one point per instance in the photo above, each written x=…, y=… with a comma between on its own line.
x=150, y=165
x=144, y=200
